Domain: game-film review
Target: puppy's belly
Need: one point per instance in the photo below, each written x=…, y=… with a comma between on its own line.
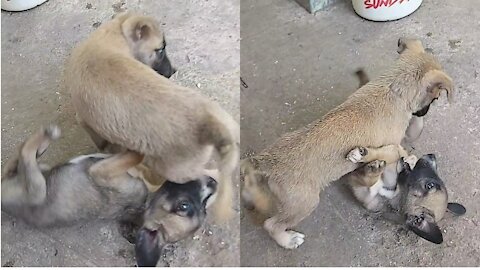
x=182, y=169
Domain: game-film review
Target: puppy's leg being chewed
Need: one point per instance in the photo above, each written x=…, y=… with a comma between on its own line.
x=29, y=187
x=366, y=183
x=291, y=210
x=105, y=171
x=390, y=153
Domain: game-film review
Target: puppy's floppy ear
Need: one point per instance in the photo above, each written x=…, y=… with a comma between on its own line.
x=431, y=159
x=122, y=16
x=414, y=45
x=362, y=77
x=135, y=29
x=456, y=208
x=434, y=81
x=425, y=229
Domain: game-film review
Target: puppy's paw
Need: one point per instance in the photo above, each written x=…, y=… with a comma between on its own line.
x=357, y=154
x=53, y=132
x=411, y=161
x=376, y=166
x=290, y=239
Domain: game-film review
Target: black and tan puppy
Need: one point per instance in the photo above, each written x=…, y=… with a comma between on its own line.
x=121, y=100
x=300, y=164
x=420, y=196
x=73, y=191
x=188, y=203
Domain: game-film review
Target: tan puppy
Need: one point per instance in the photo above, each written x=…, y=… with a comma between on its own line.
x=415, y=127
x=300, y=164
x=120, y=99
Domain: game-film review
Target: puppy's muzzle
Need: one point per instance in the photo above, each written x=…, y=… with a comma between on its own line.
x=147, y=247
x=164, y=67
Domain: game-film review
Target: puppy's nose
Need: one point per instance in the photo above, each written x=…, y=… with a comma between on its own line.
x=211, y=183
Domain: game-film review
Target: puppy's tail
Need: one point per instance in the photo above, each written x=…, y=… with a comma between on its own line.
x=225, y=139
x=254, y=193
x=362, y=77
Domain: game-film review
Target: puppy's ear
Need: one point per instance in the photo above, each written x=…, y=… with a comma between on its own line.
x=403, y=166
x=431, y=159
x=362, y=77
x=135, y=29
x=122, y=16
x=456, y=208
x=435, y=81
x=425, y=229
x=414, y=45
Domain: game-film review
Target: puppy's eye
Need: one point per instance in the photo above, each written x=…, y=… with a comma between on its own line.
x=159, y=50
x=430, y=185
x=184, y=207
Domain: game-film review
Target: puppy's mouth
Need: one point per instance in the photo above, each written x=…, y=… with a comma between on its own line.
x=423, y=111
x=148, y=246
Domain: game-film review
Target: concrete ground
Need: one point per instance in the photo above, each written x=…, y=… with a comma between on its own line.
x=298, y=66
x=203, y=43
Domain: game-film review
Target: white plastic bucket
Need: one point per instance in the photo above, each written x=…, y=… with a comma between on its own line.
x=20, y=5
x=385, y=10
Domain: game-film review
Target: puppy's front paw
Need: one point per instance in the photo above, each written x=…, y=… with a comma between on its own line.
x=357, y=154
x=411, y=161
x=53, y=132
x=290, y=239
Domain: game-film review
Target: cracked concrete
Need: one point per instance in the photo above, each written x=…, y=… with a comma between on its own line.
x=203, y=44
x=298, y=66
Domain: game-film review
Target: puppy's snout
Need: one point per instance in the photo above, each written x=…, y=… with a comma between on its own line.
x=147, y=250
x=401, y=45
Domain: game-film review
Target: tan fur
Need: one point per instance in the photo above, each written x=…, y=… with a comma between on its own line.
x=375, y=181
x=125, y=102
x=300, y=164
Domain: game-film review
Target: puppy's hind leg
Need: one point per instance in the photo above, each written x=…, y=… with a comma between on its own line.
x=103, y=172
x=30, y=186
x=290, y=213
x=102, y=144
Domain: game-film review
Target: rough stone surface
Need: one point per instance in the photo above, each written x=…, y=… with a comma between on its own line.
x=203, y=44
x=298, y=66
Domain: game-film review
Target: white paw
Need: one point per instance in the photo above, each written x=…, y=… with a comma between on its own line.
x=291, y=239
x=53, y=132
x=357, y=154
x=411, y=161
